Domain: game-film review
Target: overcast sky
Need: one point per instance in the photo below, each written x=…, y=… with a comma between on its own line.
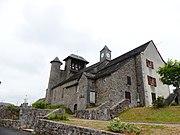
x=34, y=32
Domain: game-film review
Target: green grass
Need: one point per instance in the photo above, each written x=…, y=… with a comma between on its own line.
x=102, y=125
x=161, y=115
x=146, y=129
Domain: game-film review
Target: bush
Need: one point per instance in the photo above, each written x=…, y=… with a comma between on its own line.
x=159, y=102
x=40, y=104
x=117, y=126
x=67, y=110
x=12, y=107
x=56, y=116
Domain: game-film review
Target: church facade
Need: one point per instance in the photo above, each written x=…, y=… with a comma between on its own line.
x=130, y=76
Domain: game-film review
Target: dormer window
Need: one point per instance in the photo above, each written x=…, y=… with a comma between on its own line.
x=152, y=81
x=149, y=64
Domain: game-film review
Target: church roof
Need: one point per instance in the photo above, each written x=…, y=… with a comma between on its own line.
x=105, y=48
x=56, y=60
x=105, y=68
x=114, y=64
x=76, y=57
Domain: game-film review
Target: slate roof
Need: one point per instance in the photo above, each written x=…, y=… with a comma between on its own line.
x=56, y=60
x=114, y=64
x=76, y=57
x=105, y=48
x=104, y=69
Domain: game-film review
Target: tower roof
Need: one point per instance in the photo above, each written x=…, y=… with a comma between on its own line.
x=76, y=57
x=105, y=48
x=56, y=60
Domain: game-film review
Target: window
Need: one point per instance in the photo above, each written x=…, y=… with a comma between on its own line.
x=153, y=95
x=77, y=89
x=62, y=96
x=128, y=80
x=149, y=64
x=152, y=81
x=128, y=95
x=92, y=97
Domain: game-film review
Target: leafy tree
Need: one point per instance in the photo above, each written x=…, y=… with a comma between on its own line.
x=170, y=73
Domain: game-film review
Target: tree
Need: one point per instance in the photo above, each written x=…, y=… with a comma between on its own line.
x=170, y=73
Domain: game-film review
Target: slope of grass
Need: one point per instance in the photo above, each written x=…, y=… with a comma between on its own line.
x=161, y=115
x=146, y=129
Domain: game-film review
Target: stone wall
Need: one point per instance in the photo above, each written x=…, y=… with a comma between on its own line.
x=119, y=107
x=9, y=113
x=104, y=112
x=15, y=124
x=28, y=117
x=67, y=95
x=113, y=87
x=46, y=127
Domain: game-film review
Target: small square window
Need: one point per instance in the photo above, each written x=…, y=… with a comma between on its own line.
x=128, y=80
x=152, y=81
x=149, y=64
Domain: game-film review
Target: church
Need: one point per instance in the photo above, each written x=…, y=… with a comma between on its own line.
x=130, y=76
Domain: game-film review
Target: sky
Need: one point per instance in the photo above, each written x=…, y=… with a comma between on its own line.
x=34, y=32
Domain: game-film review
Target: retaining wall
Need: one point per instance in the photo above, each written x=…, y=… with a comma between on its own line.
x=103, y=112
x=9, y=113
x=28, y=117
x=46, y=127
x=15, y=124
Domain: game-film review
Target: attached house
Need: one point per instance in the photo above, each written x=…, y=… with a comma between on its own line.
x=130, y=76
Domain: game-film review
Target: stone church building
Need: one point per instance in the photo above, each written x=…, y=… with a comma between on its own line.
x=130, y=76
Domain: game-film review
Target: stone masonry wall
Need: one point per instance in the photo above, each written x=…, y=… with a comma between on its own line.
x=104, y=112
x=9, y=113
x=113, y=87
x=46, y=127
x=119, y=107
x=28, y=117
x=15, y=124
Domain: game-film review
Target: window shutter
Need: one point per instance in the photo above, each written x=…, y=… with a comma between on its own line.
x=155, y=82
x=152, y=65
x=149, y=80
x=147, y=63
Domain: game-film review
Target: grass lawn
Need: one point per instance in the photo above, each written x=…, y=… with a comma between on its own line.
x=161, y=115
x=146, y=129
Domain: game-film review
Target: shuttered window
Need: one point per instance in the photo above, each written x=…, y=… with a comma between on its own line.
x=151, y=81
x=149, y=64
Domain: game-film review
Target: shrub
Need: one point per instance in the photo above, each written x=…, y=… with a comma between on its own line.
x=159, y=102
x=40, y=104
x=117, y=126
x=12, y=107
x=56, y=116
x=67, y=110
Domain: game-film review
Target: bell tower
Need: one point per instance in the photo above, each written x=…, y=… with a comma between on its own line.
x=105, y=54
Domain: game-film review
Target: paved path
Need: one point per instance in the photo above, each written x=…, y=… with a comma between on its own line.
x=7, y=131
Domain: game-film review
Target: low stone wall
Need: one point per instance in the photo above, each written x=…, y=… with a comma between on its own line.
x=103, y=112
x=93, y=114
x=119, y=107
x=9, y=113
x=46, y=127
x=28, y=117
x=15, y=124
